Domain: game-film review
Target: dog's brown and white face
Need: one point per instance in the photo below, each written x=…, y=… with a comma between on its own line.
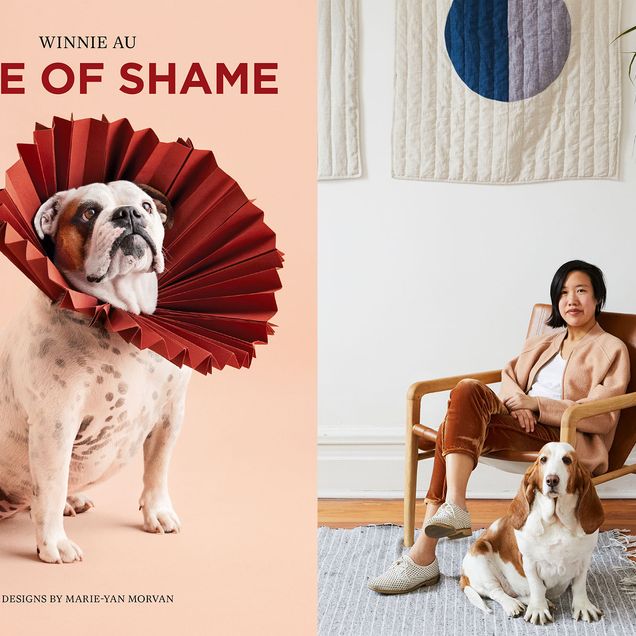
x=557, y=473
x=107, y=240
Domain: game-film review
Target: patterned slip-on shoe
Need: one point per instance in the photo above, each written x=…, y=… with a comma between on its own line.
x=405, y=575
x=449, y=521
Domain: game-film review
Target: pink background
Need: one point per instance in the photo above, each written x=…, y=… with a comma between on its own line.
x=243, y=474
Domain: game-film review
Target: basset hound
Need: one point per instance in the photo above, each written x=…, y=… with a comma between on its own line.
x=542, y=545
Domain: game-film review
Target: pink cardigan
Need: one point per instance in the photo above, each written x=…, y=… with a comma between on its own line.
x=597, y=367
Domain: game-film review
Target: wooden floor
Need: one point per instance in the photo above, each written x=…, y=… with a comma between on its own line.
x=349, y=513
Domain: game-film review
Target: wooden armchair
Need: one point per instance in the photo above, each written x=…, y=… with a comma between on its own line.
x=420, y=439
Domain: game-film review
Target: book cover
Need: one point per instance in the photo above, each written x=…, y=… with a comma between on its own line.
x=236, y=79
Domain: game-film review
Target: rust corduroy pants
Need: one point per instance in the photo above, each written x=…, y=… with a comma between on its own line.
x=477, y=422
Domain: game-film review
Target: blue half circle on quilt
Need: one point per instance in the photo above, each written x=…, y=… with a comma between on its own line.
x=508, y=50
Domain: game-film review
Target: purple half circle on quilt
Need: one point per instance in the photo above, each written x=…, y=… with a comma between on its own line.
x=508, y=50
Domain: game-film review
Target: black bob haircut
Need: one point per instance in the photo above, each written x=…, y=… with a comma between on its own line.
x=598, y=284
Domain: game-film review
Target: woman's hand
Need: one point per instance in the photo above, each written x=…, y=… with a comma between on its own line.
x=526, y=418
x=522, y=401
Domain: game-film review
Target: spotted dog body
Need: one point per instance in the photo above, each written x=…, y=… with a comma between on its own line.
x=114, y=393
x=543, y=545
x=76, y=402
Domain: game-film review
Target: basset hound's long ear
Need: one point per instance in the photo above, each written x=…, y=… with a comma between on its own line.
x=589, y=510
x=164, y=207
x=522, y=503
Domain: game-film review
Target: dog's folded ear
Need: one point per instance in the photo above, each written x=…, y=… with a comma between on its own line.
x=47, y=216
x=164, y=207
x=522, y=503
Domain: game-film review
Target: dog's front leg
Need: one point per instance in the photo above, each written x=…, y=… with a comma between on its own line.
x=50, y=447
x=581, y=605
x=538, y=609
x=155, y=502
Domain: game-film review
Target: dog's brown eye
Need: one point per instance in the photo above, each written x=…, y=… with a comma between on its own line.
x=88, y=214
x=543, y=459
x=147, y=206
x=567, y=460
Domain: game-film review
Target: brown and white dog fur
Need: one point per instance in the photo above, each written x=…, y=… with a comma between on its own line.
x=76, y=402
x=543, y=545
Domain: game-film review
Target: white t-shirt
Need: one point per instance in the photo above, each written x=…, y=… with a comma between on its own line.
x=549, y=380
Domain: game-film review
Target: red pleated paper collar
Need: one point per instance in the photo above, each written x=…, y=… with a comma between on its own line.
x=216, y=295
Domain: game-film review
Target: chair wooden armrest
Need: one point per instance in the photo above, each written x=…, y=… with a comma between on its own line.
x=578, y=412
x=418, y=389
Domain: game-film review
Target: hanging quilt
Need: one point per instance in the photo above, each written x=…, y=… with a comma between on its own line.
x=506, y=91
x=338, y=110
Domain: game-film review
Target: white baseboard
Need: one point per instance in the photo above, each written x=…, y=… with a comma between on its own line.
x=358, y=462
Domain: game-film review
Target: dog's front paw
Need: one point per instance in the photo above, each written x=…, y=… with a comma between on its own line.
x=59, y=550
x=585, y=610
x=76, y=504
x=160, y=520
x=159, y=515
x=538, y=613
x=512, y=606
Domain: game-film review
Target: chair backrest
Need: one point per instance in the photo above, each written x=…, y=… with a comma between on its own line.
x=622, y=326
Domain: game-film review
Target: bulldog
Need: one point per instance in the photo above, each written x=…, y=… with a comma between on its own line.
x=76, y=402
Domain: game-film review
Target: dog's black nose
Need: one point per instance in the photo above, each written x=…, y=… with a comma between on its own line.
x=552, y=481
x=126, y=214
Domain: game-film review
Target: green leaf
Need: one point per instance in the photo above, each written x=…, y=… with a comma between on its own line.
x=623, y=33
x=631, y=64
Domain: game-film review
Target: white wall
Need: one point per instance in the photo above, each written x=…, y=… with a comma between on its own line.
x=420, y=280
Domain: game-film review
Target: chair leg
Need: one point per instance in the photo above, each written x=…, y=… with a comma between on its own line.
x=410, y=484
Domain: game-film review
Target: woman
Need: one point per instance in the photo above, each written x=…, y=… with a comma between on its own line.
x=552, y=372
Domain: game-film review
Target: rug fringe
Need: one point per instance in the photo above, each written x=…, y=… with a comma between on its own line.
x=627, y=543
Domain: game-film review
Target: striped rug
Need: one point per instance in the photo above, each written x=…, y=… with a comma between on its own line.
x=347, y=558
